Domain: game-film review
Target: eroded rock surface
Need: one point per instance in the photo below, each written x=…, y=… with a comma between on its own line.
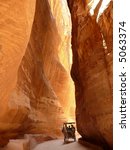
x=92, y=71
x=35, y=52
x=15, y=29
x=36, y=91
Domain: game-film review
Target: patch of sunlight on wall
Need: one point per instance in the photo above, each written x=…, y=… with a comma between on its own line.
x=62, y=17
x=93, y=5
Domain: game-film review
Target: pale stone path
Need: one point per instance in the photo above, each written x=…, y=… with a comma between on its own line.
x=58, y=145
x=49, y=145
x=16, y=145
x=26, y=144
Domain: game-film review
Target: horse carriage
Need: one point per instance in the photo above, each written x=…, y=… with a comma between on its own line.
x=69, y=131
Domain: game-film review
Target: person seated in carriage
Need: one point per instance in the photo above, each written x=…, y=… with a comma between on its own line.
x=69, y=131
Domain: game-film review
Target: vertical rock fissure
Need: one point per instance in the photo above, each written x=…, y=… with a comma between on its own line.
x=37, y=89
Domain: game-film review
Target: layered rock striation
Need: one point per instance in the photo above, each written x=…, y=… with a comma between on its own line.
x=92, y=70
x=36, y=90
x=15, y=28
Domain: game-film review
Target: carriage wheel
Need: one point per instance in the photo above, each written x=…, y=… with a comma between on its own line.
x=74, y=138
x=65, y=140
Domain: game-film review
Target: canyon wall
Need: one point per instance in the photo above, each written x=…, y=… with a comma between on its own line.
x=36, y=91
x=15, y=29
x=92, y=70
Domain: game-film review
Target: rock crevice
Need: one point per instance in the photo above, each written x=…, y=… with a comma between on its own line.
x=36, y=89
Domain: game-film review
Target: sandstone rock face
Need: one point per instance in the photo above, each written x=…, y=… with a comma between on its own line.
x=15, y=29
x=92, y=71
x=36, y=91
x=43, y=76
x=35, y=61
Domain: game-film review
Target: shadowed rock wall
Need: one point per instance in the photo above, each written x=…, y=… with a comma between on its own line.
x=92, y=71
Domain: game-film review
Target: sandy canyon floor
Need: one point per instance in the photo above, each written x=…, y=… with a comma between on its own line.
x=48, y=145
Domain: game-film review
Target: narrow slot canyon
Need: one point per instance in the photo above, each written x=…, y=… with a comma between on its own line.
x=56, y=61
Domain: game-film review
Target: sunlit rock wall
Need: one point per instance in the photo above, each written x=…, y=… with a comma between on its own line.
x=15, y=27
x=36, y=91
x=62, y=16
x=92, y=70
